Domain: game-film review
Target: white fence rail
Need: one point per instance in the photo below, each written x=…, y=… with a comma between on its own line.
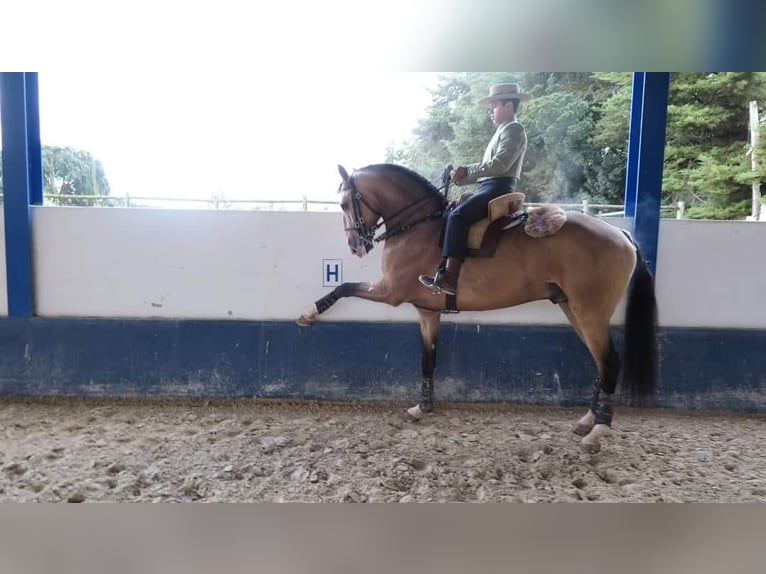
x=303, y=204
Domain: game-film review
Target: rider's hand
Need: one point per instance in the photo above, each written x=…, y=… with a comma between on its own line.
x=458, y=174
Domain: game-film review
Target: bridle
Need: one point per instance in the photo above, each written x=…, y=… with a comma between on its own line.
x=367, y=233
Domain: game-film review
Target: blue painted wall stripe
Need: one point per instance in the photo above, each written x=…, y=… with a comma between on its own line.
x=650, y=166
x=18, y=244
x=700, y=368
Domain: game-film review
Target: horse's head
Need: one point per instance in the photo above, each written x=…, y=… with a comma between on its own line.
x=359, y=217
x=385, y=194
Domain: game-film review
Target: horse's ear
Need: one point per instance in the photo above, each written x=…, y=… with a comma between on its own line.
x=343, y=173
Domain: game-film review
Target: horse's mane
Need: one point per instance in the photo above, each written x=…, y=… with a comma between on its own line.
x=408, y=173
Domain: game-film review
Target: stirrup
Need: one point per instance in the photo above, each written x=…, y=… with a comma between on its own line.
x=433, y=283
x=430, y=282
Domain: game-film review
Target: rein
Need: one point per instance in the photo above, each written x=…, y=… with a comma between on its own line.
x=367, y=233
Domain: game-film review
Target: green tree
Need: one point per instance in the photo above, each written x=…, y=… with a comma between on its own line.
x=564, y=162
x=559, y=126
x=455, y=130
x=707, y=132
x=577, y=128
x=706, y=164
x=71, y=172
x=560, y=121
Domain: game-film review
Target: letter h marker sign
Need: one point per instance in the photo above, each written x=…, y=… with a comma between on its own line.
x=332, y=272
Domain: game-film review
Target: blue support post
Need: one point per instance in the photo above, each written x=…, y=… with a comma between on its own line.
x=34, y=146
x=634, y=137
x=651, y=155
x=18, y=244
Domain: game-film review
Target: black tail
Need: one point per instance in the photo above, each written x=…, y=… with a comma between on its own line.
x=641, y=354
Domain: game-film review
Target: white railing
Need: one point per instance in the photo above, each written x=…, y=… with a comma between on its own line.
x=303, y=204
x=128, y=200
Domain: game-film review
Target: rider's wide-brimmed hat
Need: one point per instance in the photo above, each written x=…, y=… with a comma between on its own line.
x=504, y=92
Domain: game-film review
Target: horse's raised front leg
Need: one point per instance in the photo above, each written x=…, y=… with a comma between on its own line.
x=429, y=331
x=375, y=291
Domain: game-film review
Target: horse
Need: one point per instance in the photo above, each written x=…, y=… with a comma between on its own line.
x=586, y=267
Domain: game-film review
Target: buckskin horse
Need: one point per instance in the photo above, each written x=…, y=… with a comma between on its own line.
x=586, y=267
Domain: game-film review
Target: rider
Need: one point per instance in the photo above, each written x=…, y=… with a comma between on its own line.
x=497, y=174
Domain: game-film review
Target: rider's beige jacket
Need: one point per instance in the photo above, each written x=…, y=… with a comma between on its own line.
x=503, y=157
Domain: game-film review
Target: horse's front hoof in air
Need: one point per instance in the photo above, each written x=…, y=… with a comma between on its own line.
x=591, y=443
x=308, y=318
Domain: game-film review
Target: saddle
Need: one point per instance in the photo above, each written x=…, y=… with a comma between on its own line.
x=506, y=212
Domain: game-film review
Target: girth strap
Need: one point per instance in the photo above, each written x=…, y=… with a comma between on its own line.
x=451, y=305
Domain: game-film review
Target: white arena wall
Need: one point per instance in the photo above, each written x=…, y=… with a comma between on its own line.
x=203, y=303
x=268, y=266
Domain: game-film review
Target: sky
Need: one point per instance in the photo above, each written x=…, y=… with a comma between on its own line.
x=248, y=135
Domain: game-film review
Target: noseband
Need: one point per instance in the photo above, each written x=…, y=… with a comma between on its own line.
x=367, y=233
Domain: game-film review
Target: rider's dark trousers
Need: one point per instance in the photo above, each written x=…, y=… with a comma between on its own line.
x=470, y=211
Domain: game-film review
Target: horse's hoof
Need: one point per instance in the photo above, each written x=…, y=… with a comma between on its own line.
x=591, y=448
x=308, y=318
x=585, y=424
x=415, y=413
x=304, y=321
x=591, y=443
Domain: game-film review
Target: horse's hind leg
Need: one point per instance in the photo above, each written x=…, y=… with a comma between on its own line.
x=602, y=400
x=429, y=331
x=594, y=331
x=585, y=424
